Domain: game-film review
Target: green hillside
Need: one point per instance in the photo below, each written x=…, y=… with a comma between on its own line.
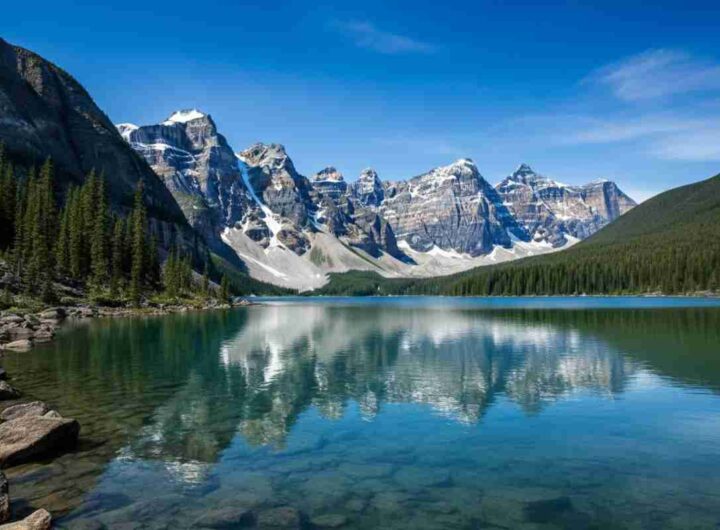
x=669, y=244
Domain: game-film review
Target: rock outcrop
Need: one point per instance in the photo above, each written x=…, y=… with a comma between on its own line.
x=34, y=408
x=453, y=208
x=38, y=520
x=368, y=189
x=31, y=437
x=197, y=165
x=8, y=392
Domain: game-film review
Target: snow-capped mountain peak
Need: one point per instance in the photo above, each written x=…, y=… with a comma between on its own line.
x=292, y=230
x=126, y=129
x=184, y=116
x=329, y=173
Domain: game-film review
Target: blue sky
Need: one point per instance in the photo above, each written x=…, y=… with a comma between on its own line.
x=579, y=90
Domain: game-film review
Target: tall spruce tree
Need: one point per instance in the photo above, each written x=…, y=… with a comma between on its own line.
x=99, y=262
x=138, y=251
x=118, y=252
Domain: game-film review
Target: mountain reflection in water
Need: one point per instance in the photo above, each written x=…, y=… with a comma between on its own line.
x=183, y=390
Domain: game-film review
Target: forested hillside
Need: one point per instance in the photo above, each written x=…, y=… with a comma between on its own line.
x=669, y=244
x=79, y=247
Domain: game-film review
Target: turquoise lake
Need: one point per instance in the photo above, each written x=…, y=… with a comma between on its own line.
x=421, y=413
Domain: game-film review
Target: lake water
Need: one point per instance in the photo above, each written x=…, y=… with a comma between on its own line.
x=386, y=413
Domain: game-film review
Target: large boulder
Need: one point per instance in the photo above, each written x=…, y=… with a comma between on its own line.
x=7, y=391
x=39, y=520
x=30, y=437
x=34, y=408
x=18, y=345
x=4, y=499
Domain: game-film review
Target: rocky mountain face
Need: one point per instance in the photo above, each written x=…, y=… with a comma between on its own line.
x=44, y=112
x=452, y=208
x=291, y=230
x=197, y=166
x=551, y=211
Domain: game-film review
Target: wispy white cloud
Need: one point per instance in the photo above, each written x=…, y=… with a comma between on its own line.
x=600, y=131
x=700, y=145
x=658, y=73
x=366, y=35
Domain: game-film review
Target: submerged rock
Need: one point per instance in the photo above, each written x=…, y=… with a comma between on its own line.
x=282, y=517
x=7, y=391
x=226, y=517
x=39, y=520
x=26, y=438
x=34, y=408
x=329, y=520
x=3, y=374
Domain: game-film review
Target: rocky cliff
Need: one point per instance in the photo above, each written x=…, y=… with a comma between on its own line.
x=452, y=208
x=44, y=112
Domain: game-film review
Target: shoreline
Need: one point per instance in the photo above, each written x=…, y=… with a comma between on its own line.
x=32, y=431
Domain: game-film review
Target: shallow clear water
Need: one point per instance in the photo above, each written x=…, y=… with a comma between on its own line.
x=387, y=413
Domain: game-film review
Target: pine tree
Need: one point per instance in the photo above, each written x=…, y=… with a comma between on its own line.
x=225, y=288
x=139, y=265
x=153, y=261
x=98, y=243
x=118, y=257
x=76, y=234
x=62, y=249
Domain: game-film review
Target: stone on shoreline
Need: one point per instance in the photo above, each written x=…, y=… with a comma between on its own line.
x=18, y=345
x=27, y=438
x=38, y=520
x=20, y=332
x=7, y=391
x=34, y=408
x=54, y=314
x=4, y=499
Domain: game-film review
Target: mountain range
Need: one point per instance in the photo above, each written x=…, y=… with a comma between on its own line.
x=291, y=230
x=669, y=244
x=253, y=208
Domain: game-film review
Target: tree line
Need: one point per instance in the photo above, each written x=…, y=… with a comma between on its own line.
x=82, y=242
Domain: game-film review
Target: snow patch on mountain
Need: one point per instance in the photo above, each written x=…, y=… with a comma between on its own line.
x=272, y=223
x=184, y=116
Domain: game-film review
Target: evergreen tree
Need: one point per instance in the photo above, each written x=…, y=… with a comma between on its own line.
x=99, y=237
x=139, y=266
x=118, y=257
x=225, y=289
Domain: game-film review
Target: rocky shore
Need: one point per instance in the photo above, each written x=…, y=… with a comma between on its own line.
x=31, y=430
